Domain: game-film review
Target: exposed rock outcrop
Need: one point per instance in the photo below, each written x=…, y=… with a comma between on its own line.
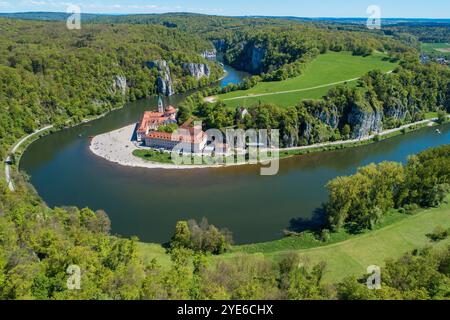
x=365, y=121
x=396, y=109
x=258, y=54
x=306, y=131
x=209, y=54
x=290, y=139
x=329, y=117
x=164, y=81
x=251, y=58
x=220, y=44
x=197, y=70
x=120, y=84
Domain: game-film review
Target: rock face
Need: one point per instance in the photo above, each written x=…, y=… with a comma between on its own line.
x=290, y=139
x=120, y=84
x=164, y=81
x=210, y=55
x=365, y=122
x=328, y=117
x=306, y=131
x=258, y=54
x=396, y=109
x=197, y=70
x=250, y=58
x=220, y=44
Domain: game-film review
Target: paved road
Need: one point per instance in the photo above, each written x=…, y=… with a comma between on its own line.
x=344, y=142
x=13, y=150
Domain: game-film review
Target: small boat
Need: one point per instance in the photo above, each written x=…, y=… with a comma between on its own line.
x=438, y=131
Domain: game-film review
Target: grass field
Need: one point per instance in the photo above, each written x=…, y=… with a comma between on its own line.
x=321, y=74
x=442, y=49
x=345, y=254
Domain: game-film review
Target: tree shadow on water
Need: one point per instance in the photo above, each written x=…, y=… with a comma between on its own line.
x=315, y=223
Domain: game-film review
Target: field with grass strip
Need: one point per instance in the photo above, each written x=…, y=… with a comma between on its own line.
x=442, y=49
x=346, y=254
x=354, y=255
x=324, y=72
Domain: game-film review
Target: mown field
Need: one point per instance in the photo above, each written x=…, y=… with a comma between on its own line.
x=345, y=254
x=320, y=75
x=442, y=49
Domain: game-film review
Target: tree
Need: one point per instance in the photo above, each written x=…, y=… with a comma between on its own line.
x=346, y=131
x=182, y=236
x=442, y=116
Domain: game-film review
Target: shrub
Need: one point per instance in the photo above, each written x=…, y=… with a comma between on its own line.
x=439, y=234
x=442, y=116
x=411, y=208
x=325, y=235
x=201, y=237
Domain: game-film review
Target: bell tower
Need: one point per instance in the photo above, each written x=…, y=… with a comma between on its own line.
x=160, y=105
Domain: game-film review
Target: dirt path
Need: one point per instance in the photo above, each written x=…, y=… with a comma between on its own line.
x=214, y=98
x=291, y=91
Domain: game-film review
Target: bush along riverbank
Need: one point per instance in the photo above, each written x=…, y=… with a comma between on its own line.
x=188, y=271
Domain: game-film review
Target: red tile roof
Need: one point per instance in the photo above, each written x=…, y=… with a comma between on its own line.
x=151, y=118
x=171, y=110
x=181, y=136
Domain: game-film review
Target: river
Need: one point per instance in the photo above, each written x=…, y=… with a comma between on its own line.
x=148, y=203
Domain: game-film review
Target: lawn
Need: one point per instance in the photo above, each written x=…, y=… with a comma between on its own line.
x=154, y=156
x=321, y=74
x=345, y=254
x=442, y=49
x=353, y=255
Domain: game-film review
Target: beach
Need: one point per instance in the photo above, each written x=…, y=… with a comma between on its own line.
x=117, y=146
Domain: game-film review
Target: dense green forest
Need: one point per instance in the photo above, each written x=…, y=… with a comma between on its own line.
x=424, y=32
x=361, y=201
x=39, y=244
x=379, y=102
x=52, y=75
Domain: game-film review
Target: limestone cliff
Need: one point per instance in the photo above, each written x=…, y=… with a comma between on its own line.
x=330, y=117
x=210, y=54
x=120, y=84
x=197, y=70
x=396, y=109
x=220, y=45
x=164, y=81
x=364, y=121
x=250, y=58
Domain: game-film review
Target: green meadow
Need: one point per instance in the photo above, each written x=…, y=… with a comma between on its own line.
x=320, y=75
x=344, y=254
x=442, y=49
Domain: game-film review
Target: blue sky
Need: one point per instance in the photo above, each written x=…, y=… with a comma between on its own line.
x=301, y=8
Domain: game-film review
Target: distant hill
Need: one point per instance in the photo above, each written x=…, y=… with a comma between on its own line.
x=361, y=20
x=140, y=18
x=48, y=16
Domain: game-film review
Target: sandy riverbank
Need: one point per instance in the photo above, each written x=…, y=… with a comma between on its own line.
x=117, y=147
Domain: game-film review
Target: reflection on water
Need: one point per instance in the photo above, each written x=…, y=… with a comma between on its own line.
x=148, y=203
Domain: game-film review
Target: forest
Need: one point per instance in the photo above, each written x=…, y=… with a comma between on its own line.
x=39, y=244
x=50, y=75
x=361, y=201
x=379, y=102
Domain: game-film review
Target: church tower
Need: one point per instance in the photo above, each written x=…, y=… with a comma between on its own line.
x=160, y=105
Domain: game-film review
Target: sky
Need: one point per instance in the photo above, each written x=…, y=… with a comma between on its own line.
x=299, y=8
